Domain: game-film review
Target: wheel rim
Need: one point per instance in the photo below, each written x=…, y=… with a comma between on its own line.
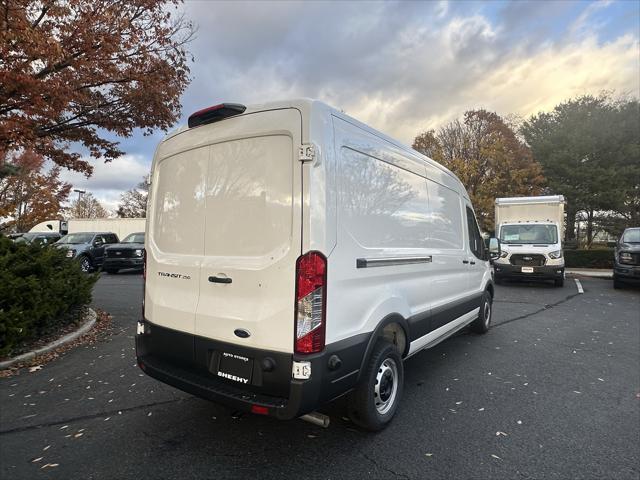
x=85, y=265
x=487, y=313
x=386, y=386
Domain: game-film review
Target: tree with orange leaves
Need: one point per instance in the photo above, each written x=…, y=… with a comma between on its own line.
x=72, y=70
x=485, y=153
x=31, y=195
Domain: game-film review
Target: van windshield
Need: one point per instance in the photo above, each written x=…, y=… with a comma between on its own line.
x=526, y=234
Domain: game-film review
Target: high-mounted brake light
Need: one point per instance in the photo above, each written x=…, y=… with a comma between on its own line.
x=215, y=113
x=311, y=296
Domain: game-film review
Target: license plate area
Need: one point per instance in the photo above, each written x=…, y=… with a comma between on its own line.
x=527, y=270
x=233, y=367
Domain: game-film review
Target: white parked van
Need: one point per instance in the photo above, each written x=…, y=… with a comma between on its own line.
x=295, y=255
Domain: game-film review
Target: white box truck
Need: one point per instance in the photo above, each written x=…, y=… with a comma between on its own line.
x=120, y=226
x=530, y=230
x=294, y=255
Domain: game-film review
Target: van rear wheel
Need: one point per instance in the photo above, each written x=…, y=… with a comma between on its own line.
x=376, y=397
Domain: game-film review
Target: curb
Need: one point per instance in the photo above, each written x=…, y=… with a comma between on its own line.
x=594, y=273
x=90, y=320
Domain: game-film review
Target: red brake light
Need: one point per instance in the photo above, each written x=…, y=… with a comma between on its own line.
x=215, y=113
x=311, y=279
x=259, y=409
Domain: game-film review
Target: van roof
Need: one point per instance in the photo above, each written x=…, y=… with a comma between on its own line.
x=306, y=105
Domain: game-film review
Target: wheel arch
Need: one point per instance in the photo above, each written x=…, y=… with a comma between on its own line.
x=394, y=325
x=491, y=289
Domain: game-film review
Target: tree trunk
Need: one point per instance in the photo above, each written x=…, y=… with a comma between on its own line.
x=570, y=233
x=589, y=228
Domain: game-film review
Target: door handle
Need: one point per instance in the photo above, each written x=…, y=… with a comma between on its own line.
x=465, y=261
x=213, y=279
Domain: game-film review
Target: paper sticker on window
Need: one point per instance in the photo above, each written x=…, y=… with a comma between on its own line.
x=509, y=238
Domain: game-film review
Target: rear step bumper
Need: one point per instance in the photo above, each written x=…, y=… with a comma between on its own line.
x=226, y=394
x=181, y=360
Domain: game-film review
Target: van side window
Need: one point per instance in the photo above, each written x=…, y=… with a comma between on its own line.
x=475, y=239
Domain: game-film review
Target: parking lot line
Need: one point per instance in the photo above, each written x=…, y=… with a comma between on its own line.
x=579, y=285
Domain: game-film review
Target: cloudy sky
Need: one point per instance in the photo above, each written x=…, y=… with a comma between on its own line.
x=402, y=67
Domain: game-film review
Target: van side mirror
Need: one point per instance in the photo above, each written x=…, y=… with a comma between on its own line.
x=494, y=248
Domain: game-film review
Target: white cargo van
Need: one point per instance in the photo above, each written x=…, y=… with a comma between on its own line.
x=294, y=255
x=530, y=230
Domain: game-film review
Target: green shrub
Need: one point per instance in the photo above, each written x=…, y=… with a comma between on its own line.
x=40, y=290
x=600, y=258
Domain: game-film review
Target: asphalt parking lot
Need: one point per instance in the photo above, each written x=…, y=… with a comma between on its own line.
x=552, y=391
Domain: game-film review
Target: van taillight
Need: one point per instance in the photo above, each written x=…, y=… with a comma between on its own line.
x=144, y=277
x=311, y=296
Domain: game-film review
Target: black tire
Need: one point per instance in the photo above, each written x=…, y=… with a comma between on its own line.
x=559, y=282
x=375, y=399
x=617, y=284
x=85, y=264
x=483, y=322
x=111, y=271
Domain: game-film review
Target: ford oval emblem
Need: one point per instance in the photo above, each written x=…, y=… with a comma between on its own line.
x=239, y=332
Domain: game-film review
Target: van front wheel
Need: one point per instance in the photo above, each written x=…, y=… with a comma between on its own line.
x=376, y=397
x=483, y=322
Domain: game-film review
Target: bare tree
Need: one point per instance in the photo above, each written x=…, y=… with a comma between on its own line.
x=133, y=203
x=87, y=206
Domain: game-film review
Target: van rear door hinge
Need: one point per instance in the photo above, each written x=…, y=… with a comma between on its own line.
x=307, y=152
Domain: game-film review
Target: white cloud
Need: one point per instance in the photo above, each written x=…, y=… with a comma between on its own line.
x=403, y=66
x=109, y=180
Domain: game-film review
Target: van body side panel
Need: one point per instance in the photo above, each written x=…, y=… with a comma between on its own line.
x=382, y=215
x=447, y=241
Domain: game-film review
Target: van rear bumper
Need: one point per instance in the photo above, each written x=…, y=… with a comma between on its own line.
x=283, y=397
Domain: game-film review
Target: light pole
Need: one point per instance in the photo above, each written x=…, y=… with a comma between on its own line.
x=80, y=192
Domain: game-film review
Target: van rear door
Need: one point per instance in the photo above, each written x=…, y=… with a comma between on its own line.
x=251, y=231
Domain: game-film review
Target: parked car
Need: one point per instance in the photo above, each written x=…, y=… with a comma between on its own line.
x=40, y=238
x=87, y=247
x=295, y=255
x=626, y=258
x=126, y=254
